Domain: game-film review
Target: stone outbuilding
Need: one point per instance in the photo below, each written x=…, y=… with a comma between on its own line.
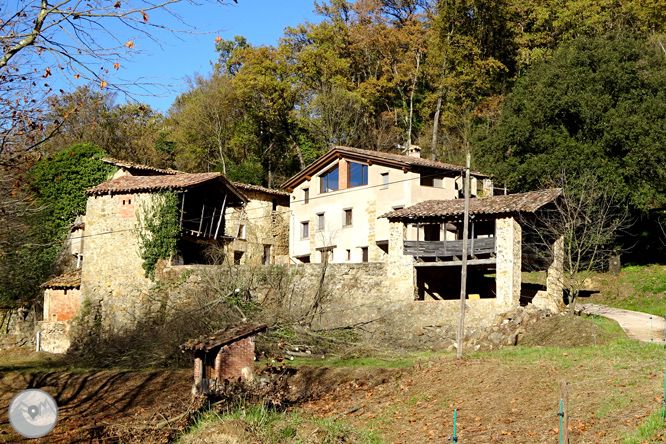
x=226, y=355
x=62, y=299
x=500, y=233
x=113, y=278
x=260, y=229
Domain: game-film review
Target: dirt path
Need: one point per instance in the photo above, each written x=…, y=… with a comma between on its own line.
x=640, y=326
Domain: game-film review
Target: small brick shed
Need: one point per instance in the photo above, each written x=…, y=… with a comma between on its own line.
x=223, y=355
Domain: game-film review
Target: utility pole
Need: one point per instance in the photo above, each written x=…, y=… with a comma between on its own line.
x=463, y=273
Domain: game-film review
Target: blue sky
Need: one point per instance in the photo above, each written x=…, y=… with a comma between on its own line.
x=262, y=22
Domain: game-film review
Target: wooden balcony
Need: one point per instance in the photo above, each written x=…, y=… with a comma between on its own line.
x=449, y=253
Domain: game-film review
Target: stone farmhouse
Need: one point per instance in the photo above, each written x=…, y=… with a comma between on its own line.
x=336, y=201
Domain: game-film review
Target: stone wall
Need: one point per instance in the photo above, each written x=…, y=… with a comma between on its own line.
x=55, y=337
x=112, y=277
x=263, y=227
x=18, y=327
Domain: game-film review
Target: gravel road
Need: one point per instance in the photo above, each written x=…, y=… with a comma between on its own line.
x=634, y=323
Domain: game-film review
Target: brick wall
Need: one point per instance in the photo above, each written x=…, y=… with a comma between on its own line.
x=61, y=304
x=126, y=209
x=233, y=358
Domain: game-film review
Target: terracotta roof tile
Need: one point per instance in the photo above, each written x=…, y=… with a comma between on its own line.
x=136, y=166
x=223, y=337
x=248, y=187
x=67, y=280
x=408, y=160
x=127, y=184
x=511, y=203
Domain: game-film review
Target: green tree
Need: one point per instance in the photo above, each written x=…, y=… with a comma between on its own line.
x=57, y=185
x=598, y=105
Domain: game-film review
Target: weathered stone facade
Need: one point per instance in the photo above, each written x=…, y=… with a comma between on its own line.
x=112, y=277
x=264, y=237
x=509, y=253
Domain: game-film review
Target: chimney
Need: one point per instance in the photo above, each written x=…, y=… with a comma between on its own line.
x=414, y=151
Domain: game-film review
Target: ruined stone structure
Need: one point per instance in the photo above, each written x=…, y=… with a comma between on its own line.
x=260, y=229
x=112, y=278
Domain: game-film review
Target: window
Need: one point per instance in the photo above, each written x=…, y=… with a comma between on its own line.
x=348, y=255
x=266, y=260
x=274, y=204
x=238, y=255
x=364, y=254
x=385, y=181
x=326, y=255
x=358, y=175
x=321, y=221
x=329, y=181
x=428, y=180
x=241, y=231
x=305, y=230
x=306, y=195
x=348, y=217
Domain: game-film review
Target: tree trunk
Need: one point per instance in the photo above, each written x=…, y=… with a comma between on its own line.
x=435, y=123
x=298, y=151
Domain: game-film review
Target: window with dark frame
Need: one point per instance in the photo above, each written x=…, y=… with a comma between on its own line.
x=385, y=181
x=321, y=221
x=238, y=255
x=305, y=230
x=348, y=255
x=275, y=205
x=358, y=175
x=427, y=180
x=347, y=217
x=364, y=254
x=306, y=195
x=329, y=181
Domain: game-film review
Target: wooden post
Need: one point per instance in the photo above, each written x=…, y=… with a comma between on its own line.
x=463, y=273
x=418, y=235
x=471, y=241
x=182, y=210
x=564, y=395
x=203, y=209
x=224, y=203
x=212, y=222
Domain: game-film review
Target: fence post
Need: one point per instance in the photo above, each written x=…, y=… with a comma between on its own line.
x=564, y=420
x=663, y=401
x=664, y=346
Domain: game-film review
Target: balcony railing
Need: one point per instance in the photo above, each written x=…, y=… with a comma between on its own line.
x=449, y=249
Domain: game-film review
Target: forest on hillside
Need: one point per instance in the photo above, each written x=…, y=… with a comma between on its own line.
x=530, y=87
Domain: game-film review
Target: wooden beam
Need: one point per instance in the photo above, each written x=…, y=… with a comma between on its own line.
x=224, y=203
x=203, y=209
x=488, y=261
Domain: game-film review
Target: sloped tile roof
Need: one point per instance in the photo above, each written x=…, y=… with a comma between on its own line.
x=396, y=160
x=136, y=166
x=407, y=160
x=511, y=203
x=67, y=280
x=248, y=187
x=223, y=337
x=130, y=184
